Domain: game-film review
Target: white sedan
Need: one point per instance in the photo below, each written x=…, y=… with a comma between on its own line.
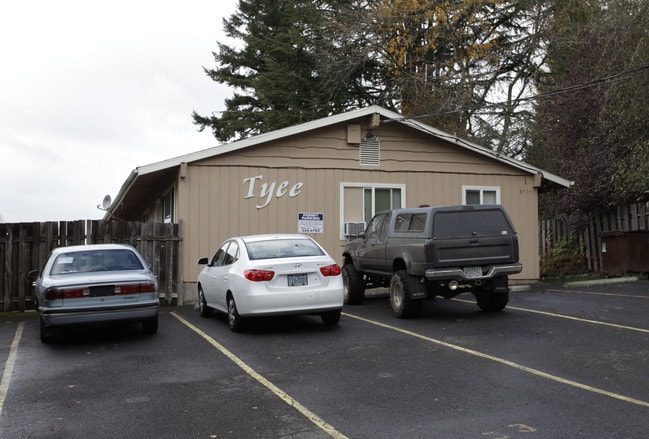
x=264, y=275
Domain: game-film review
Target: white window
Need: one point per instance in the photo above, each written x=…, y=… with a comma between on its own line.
x=480, y=195
x=360, y=201
x=376, y=199
x=167, y=207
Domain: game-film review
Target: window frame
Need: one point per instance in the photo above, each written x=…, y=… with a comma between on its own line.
x=363, y=186
x=482, y=190
x=168, y=205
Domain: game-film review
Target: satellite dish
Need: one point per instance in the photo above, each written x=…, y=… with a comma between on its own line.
x=105, y=204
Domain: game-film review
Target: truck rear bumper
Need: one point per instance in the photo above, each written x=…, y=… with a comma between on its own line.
x=460, y=275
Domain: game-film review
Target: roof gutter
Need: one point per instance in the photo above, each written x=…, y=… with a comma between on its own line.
x=488, y=152
x=126, y=187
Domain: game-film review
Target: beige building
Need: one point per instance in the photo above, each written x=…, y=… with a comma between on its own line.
x=326, y=178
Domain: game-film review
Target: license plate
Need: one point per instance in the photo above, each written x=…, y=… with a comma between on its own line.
x=473, y=271
x=101, y=291
x=297, y=280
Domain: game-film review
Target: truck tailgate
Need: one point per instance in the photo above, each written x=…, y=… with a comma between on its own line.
x=461, y=252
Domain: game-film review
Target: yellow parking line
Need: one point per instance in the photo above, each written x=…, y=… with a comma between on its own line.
x=9, y=365
x=591, y=293
x=273, y=388
x=594, y=322
x=505, y=362
x=563, y=316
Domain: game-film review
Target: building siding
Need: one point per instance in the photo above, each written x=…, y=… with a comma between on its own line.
x=218, y=207
x=248, y=191
x=259, y=185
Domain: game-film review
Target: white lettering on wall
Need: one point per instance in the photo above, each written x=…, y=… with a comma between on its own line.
x=295, y=190
x=266, y=190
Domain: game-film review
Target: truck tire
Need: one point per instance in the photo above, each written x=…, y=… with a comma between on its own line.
x=493, y=296
x=401, y=287
x=354, y=285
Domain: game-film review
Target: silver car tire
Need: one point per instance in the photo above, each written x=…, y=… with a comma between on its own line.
x=48, y=333
x=150, y=325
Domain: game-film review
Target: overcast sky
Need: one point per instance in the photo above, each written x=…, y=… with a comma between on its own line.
x=91, y=90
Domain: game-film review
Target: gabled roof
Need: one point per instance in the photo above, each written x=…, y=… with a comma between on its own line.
x=143, y=177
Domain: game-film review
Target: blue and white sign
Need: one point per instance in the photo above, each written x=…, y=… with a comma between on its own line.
x=310, y=222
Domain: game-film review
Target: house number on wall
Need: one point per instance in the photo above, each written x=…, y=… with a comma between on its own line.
x=266, y=191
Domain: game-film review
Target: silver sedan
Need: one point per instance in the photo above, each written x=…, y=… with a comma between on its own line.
x=264, y=275
x=95, y=283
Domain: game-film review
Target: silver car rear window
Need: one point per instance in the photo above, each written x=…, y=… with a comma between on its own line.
x=95, y=260
x=282, y=248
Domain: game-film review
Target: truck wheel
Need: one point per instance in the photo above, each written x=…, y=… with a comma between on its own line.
x=490, y=300
x=354, y=285
x=401, y=286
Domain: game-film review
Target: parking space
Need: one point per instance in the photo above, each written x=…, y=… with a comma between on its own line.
x=558, y=362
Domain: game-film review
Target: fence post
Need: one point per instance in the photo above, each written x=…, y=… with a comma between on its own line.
x=7, y=254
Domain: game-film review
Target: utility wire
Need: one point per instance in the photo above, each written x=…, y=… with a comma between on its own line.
x=613, y=78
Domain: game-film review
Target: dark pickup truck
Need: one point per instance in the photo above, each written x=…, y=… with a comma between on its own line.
x=420, y=253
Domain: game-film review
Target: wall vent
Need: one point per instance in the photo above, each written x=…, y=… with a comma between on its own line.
x=370, y=151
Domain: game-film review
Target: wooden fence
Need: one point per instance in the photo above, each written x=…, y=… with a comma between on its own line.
x=26, y=246
x=630, y=218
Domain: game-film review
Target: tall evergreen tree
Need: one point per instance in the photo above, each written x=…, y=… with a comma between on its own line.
x=464, y=64
x=277, y=69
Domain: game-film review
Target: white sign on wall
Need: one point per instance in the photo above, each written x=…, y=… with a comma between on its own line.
x=310, y=222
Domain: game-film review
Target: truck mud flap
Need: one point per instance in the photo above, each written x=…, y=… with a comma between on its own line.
x=418, y=289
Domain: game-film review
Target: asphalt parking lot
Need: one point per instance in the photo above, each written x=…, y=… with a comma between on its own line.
x=560, y=361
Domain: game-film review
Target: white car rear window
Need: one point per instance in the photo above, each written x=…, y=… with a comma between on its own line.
x=282, y=248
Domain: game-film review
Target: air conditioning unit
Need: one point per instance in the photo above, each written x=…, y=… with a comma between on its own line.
x=353, y=229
